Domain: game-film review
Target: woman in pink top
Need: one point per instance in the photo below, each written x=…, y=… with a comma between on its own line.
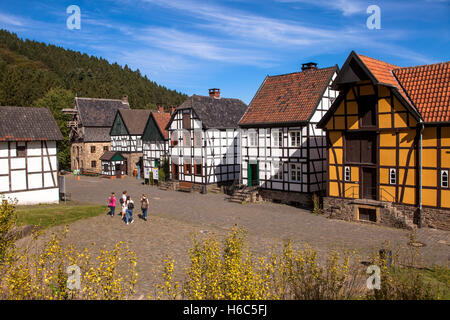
x=112, y=204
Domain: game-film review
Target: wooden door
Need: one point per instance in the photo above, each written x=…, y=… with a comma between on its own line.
x=369, y=183
x=253, y=175
x=175, y=172
x=118, y=169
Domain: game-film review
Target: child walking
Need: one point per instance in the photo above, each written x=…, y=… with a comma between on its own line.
x=144, y=206
x=112, y=204
x=123, y=200
x=129, y=210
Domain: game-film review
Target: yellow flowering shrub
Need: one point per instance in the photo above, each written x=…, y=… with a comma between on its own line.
x=39, y=270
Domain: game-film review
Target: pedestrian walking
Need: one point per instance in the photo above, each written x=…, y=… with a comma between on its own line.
x=144, y=206
x=112, y=204
x=123, y=200
x=129, y=210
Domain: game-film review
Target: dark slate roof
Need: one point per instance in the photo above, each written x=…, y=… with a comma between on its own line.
x=96, y=134
x=135, y=120
x=28, y=124
x=288, y=98
x=218, y=113
x=98, y=112
x=108, y=155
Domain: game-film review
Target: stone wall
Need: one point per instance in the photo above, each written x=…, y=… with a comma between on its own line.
x=85, y=157
x=299, y=199
x=132, y=159
x=388, y=214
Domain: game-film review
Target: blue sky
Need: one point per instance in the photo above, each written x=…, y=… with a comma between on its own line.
x=193, y=45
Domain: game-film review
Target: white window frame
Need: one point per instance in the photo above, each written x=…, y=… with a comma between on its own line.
x=347, y=174
x=444, y=184
x=297, y=168
x=277, y=170
x=297, y=140
x=392, y=176
x=252, y=138
x=277, y=138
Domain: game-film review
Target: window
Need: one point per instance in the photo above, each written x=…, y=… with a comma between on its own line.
x=92, y=149
x=187, y=169
x=347, y=174
x=360, y=147
x=21, y=150
x=295, y=138
x=366, y=110
x=93, y=164
x=277, y=138
x=198, y=169
x=296, y=172
x=186, y=121
x=252, y=138
x=277, y=170
x=105, y=148
x=392, y=176
x=444, y=178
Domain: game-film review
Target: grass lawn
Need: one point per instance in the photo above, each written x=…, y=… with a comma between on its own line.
x=51, y=215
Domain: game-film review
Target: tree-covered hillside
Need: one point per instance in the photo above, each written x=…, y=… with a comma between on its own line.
x=29, y=69
x=41, y=75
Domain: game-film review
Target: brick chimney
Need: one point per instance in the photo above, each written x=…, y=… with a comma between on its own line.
x=125, y=99
x=309, y=66
x=172, y=110
x=214, y=93
x=161, y=109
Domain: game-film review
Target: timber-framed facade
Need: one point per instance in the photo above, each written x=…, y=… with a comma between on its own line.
x=155, y=141
x=389, y=144
x=126, y=137
x=29, y=155
x=204, y=140
x=283, y=153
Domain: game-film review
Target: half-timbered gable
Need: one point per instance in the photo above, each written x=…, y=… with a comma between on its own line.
x=28, y=155
x=90, y=128
x=126, y=136
x=386, y=143
x=204, y=139
x=155, y=140
x=283, y=152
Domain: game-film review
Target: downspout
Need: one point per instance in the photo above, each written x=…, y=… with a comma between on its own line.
x=419, y=222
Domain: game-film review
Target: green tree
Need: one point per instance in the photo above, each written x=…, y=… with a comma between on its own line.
x=55, y=100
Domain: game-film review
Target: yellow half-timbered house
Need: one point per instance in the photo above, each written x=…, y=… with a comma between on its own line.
x=388, y=137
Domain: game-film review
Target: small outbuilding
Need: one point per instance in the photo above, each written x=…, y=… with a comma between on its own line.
x=113, y=164
x=29, y=155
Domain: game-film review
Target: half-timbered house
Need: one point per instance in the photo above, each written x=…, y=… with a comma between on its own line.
x=113, y=164
x=29, y=155
x=389, y=144
x=155, y=140
x=283, y=153
x=126, y=137
x=89, y=130
x=204, y=140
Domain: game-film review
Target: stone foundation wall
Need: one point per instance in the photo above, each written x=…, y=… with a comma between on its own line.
x=303, y=200
x=388, y=214
x=132, y=159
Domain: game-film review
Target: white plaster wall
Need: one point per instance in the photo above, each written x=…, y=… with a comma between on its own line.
x=35, y=197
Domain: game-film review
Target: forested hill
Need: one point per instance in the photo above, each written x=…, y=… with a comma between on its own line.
x=29, y=69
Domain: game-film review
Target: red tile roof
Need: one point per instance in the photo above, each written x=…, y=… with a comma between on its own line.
x=288, y=98
x=426, y=87
x=162, y=119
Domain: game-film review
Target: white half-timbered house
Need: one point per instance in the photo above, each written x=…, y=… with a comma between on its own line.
x=155, y=140
x=283, y=153
x=28, y=155
x=113, y=164
x=126, y=136
x=204, y=140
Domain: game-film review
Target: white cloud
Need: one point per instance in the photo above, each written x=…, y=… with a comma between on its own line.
x=346, y=7
x=11, y=20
